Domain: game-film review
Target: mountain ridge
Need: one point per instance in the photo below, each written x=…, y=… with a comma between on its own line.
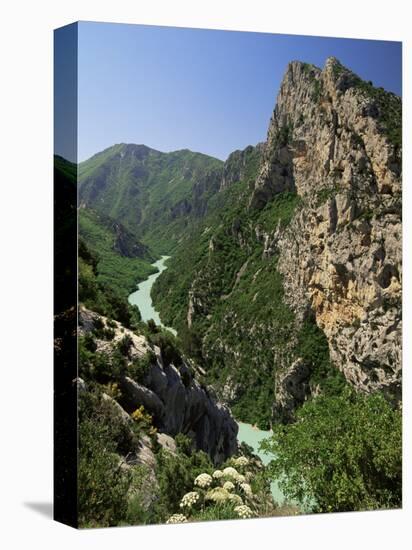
x=333, y=159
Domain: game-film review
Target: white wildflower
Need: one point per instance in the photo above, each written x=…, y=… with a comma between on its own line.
x=240, y=478
x=203, y=480
x=230, y=472
x=241, y=461
x=189, y=499
x=177, y=518
x=217, y=474
x=218, y=494
x=235, y=499
x=228, y=485
x=246, y=488
x=244, y=511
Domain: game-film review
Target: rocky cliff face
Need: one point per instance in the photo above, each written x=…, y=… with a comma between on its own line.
x=172, y=394
x=335, y=140
x=126, y=244
x=305, y=254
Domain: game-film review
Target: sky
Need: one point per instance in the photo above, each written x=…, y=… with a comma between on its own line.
x=204, y=90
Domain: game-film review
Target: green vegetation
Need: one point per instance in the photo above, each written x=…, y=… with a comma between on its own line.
x=344, y=453
x=98, y=295
x=324, y=194
x=389, y=111
x=223, y=292
x=120, y=273
x=154, y=195
x=317, y=90
x=206, y=493
x=312, y=347
x=279, y=211
x=386, y=107
x=243, y=310
x=103, y=484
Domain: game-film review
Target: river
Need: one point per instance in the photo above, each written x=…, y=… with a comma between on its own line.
x=253, y=436
x=247, y=433
x=142, y=299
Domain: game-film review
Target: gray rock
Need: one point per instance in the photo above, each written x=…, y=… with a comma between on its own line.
x=136, y=395
x=174, y=398
x=340, y=257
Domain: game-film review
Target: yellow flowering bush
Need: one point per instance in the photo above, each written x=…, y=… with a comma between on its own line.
x=142, y=418
x=217, y=495
x=235, y=499
x=246, y=488
x=113, y=390
x=230, y=472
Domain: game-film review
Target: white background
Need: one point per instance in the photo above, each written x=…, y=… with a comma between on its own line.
x=26, y=271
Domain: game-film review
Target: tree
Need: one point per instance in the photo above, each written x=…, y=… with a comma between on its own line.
x=103, y=484
x=343, y=453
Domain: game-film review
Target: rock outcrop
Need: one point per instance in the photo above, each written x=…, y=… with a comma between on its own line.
x=333, y=139
x=177, y=402
x=300, y=267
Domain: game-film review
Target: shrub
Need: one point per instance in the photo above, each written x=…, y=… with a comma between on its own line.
x=103, y=484
x=344, y=453
x=168, y=347
x=140, y=366
x=124, y=345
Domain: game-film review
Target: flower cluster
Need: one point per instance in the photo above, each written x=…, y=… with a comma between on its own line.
x=217, y=494
x=246, y=488
x=234, y=474
x=241, y=461
x=244, y=511
x=230, y=472
x=203, y=480
x=228, y=485
x=177, y=518
x=189, y=499
x=235, y=499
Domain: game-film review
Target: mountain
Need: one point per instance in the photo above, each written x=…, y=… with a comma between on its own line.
x=122, y=260
x=285, y=288
x=292, y=286
x=153, y=194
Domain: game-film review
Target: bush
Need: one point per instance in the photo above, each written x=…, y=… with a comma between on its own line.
x=168, y=347
x=175, y=474
x=344, y=453
x=140, y=366
x=98, y=366
x=124, y=345
x=103, y=484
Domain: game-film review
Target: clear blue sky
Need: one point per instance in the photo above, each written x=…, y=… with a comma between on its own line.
x=208, y=91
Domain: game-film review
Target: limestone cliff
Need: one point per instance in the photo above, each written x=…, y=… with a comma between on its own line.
x=298, y=271
x=170, y=393
x=335, y=140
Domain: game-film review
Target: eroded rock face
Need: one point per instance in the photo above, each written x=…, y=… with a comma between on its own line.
x=292, y=389
x=341, y=256
x=172, y=395
x=190, y=408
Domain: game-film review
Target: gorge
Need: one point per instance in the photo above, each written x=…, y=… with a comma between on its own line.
x=280, y=305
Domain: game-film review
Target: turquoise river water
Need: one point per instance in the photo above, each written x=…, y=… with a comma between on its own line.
x=247, y=433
